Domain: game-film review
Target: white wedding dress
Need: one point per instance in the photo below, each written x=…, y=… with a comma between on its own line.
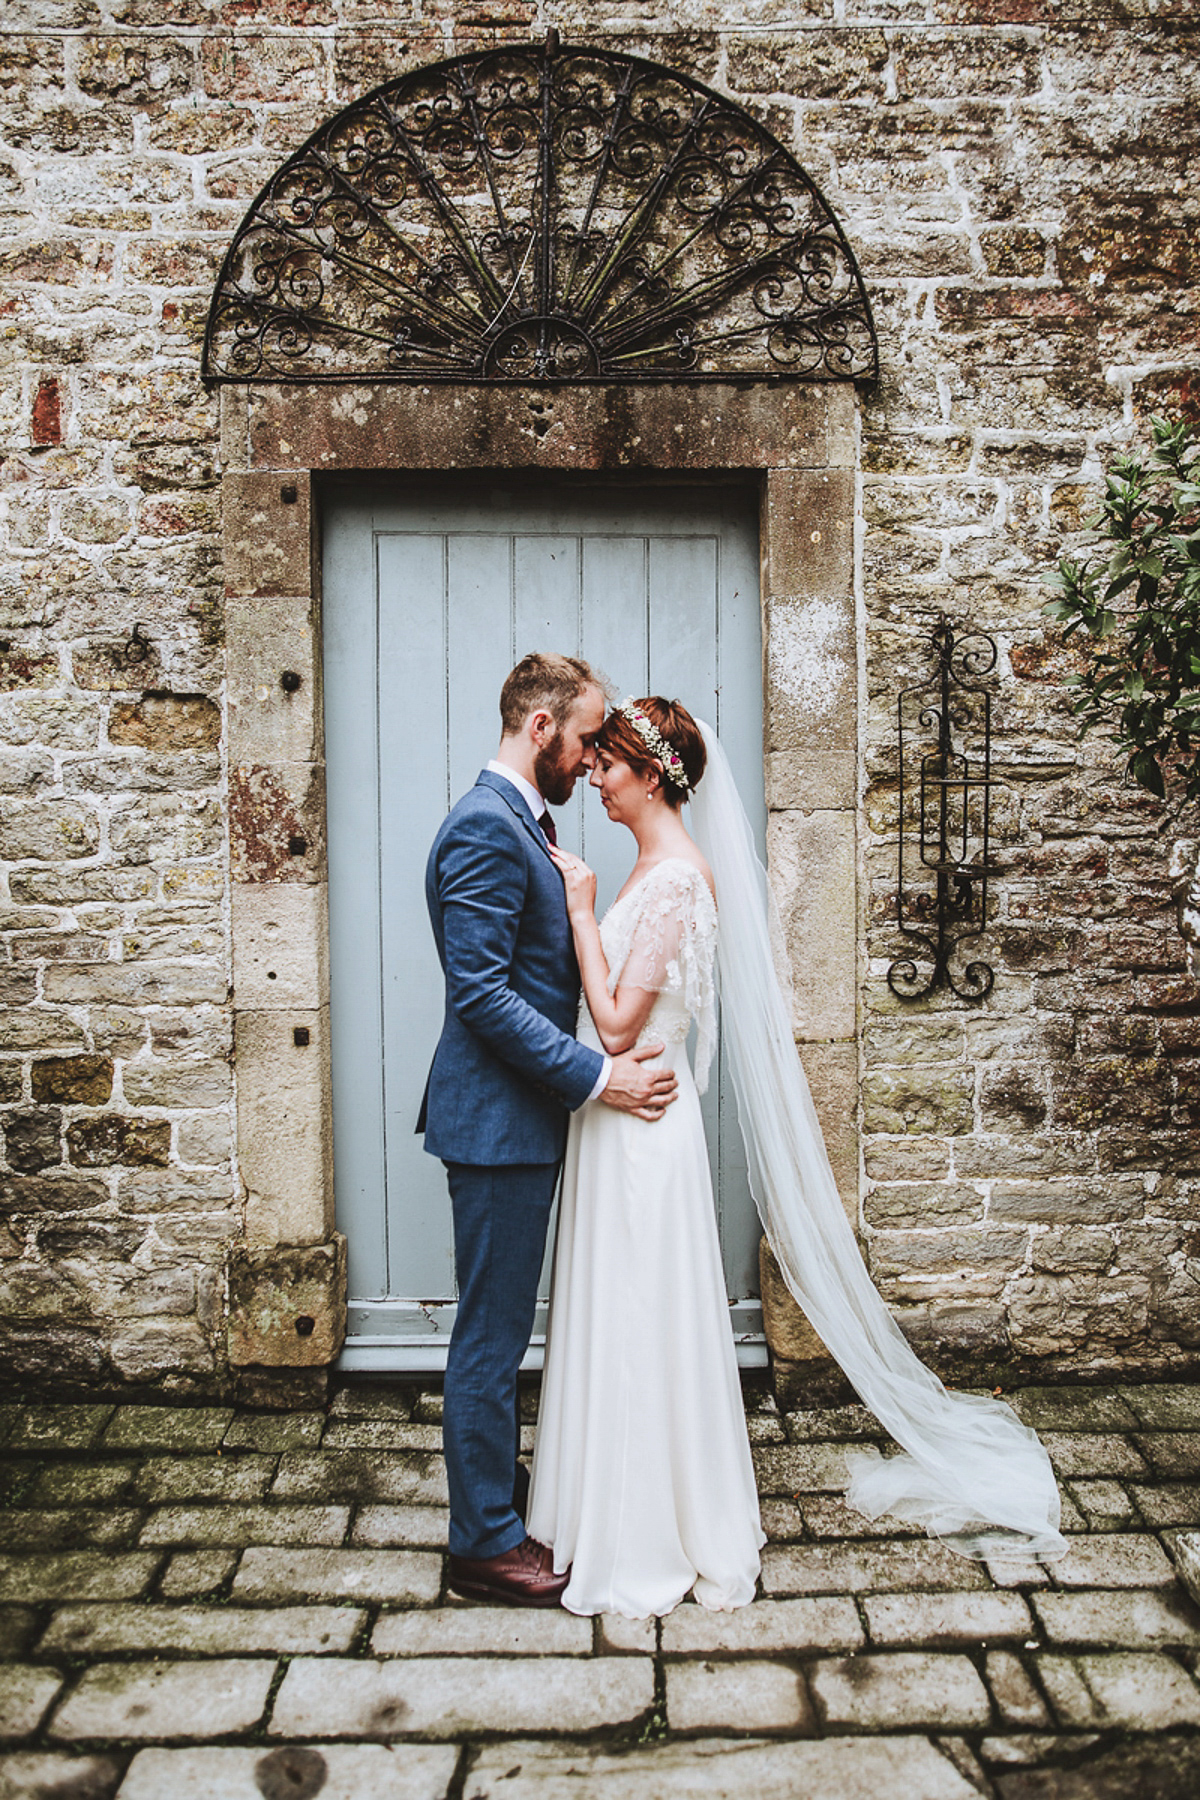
x=642, y=1476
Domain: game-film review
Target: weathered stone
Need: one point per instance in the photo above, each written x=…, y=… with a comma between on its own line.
x=201, y=1630
x=280, y=933
x=167, y=1428
x=481, y=1631
x=48, y=830
x=77, y=1575
x=386, y=1772
x=1013, y=1693
x=287, y=1306
x=239, y=1525
x=73, y=1080
x=918, y=1101
x=196, y=1574
x=825, y=1623
x=855, y=1568
x=33, y=1140
x=166, y=1700
x=1144, y=1693
x=100, y=1142
x=25, y=1697
x=739, y=1696
x=899, y=1691
x=1154, y=1618
x=939, y=1619
x=398, y=1577
x=166, y=722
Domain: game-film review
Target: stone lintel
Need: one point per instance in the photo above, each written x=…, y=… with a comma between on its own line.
x=603, y=428
x=285, y=1124
x=287, y=1305
x=268, y=532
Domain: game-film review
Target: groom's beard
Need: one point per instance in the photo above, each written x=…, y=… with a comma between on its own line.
x=555, y=780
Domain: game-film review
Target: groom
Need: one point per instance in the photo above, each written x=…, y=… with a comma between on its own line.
x=506, y=1073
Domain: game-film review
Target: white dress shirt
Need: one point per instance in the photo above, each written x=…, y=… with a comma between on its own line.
x=537, y=807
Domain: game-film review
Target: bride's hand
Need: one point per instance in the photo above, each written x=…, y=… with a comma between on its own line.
x=579, y=881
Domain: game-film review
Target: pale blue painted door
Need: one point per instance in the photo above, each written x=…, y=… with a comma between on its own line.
x=429, y=599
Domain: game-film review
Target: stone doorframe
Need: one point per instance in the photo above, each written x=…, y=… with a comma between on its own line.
x=287, y=1288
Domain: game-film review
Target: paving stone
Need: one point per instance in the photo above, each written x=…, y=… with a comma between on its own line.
x=167, y=1427
x=782, y=1520
x=1031, y=1747
x=25, y=1696
x=1018, y=1572
x=57, y=1427
x=143, y=1700
x=1185, y=1548
x=240, y=1525
x=18, y=1628
x=946, y=1618
x=1114, y=1560
x=616, y=1636
x=446, y=1697
x=1174, y=1454
x=356, y=1402
x=202, y=1630
x=82, y=1484
x=196, y=1572
x=796, y=1468
x=1141, y=1692
x=829, y=1516
x=1172, y=1503
x=239, y=1476
x=858, y=1568
x=1013, y=1693
x=829, y=1622
x=419, y=1479
x=1153, y=1619
x=900, y=1690
x=381, y=1434
x=383, y=1527
x=736, y=1696
x=831, y=1423
x=334, y=1771
x=897, y=1768
x=77, y=1575
x=398, y=1577
x=274, y=1432
x=1104, y=1505
x=761, y=1428
x=1073, y=1409
x=1165, y=1406
x=59, y=1529
x=57, y=1775
x=430, y=1407
x=1074, y=1453
x=482, y=1631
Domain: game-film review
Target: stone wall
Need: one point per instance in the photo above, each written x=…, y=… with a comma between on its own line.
x=1014, y=177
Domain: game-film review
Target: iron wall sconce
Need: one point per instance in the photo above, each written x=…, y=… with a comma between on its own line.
x=944, y=726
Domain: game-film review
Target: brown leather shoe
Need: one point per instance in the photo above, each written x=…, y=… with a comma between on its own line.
x=523, y=1576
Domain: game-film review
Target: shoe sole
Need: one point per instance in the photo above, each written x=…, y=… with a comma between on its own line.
x=471, y=1590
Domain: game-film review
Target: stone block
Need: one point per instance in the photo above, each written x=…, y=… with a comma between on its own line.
x=234, y=1479
x=812, y=695
x=108, y=1138
x=77, y=1575
x=900, y=1691
x=859, y=1568
x=1171, y=1503
x=1147, y=1692
x=616, y=1636
x=1115, y=1561
x=231, y=1525
x=738, y=1696
x=448, y=1697
x=812, y=864
x=87, y=1631
x=72, y=1080
x=280, y=943
x=386, y=1434
x=393, y=1577
x=1016, y=1699
x=921, y=1101
x=1171, y=1453
x=411, y=1478
x=140, y=1700
x=1185, y=1548
x=41, y=1528
x=335, y=1771
x=27, y=1773
x=287, y=1307
x=814, y=1468
x=25, y=1697
x=1137, y=1619
x=938, y=1619
x=196, y=1573
x=274, y=662
x=285, y=1125
x=268, y=547
x=481, y=1631
x=1161, y=1407
x=766, y=1628
x=166, y=722
x=277, y=821
x=167, y=1428
x=381, y=1527
x=48, y=831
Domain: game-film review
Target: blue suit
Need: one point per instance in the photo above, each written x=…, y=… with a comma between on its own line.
x=506, y=1072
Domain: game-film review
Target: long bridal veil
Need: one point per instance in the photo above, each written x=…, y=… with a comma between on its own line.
x=971, y=1473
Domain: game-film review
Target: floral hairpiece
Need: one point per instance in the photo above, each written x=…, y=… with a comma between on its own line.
x=656, y=743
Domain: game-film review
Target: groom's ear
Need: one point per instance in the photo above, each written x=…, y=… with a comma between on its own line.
x=542, y=725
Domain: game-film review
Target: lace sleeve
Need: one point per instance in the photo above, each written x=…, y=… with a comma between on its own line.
x=668, y=945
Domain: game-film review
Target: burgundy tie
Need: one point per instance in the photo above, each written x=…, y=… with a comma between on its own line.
x=547, y=825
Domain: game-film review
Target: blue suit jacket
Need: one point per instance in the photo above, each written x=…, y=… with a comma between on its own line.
x=507, y=1068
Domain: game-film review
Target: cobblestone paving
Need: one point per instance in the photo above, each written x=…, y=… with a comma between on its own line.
x=214, y=1604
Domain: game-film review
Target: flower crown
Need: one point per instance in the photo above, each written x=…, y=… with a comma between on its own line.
x=656, y=743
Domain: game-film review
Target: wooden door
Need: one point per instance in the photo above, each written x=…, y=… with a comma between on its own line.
x=430, y=597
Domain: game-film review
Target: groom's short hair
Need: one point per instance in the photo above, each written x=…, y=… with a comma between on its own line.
x=546, y=680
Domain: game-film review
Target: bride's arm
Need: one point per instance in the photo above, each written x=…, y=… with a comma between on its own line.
x=618, y=1017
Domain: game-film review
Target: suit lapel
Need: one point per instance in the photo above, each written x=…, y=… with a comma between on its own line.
x=517, y=806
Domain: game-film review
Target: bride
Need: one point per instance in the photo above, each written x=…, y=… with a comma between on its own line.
x=642, y=1478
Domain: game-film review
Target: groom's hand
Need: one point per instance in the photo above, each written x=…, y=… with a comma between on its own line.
x=635, y=1089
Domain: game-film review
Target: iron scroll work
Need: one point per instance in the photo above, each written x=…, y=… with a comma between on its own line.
x=944, y=803
x=531, y=213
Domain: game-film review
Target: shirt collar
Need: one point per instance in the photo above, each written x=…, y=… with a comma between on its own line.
x=526, y=789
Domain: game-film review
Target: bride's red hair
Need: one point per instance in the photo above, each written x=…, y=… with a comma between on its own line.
x=620, y=738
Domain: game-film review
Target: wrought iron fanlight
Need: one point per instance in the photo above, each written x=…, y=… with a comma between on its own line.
x=530, y=213
x=944, y=726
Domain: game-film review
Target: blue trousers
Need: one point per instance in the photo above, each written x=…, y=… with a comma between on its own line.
x=500, y=1220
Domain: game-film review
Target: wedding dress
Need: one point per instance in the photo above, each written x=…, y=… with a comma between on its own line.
x=642, y=1477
